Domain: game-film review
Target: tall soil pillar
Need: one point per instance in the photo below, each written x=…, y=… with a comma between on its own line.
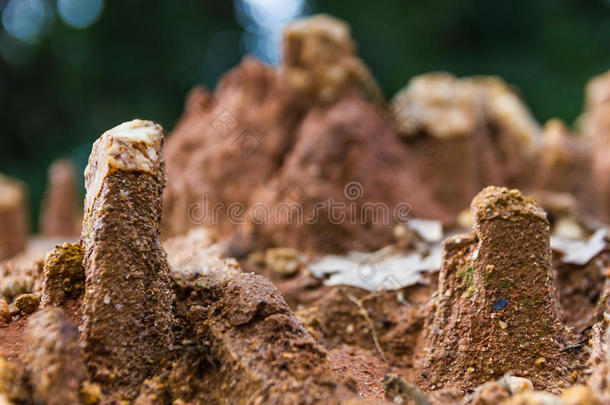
x=596, y=130
x=13, y=217
x=128, y=303
x=60, y=215
x=496, y=310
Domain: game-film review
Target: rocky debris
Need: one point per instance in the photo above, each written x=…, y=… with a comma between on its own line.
x=127, y=305
x=564, y=161
x=27, y=303
x=320, y=63
x=496, y=309
x=59, y=214
x=13, y=217
x=54, y=358
x=64, y=276
x=596, y=130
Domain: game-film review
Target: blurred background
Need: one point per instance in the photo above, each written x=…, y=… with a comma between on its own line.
x=70, y=69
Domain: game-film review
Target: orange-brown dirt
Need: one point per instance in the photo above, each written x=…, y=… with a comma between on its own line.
x=512, y=315
x=330, y=315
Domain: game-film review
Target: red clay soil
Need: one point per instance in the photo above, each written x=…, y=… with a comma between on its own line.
x=249, y=122
x=12, y=341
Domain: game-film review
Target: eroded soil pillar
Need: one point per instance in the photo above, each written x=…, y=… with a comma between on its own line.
x=596, y=129
x=13, y=217
x=64, y=277
x=496, y=309
x=60, y=215
x=127, y=305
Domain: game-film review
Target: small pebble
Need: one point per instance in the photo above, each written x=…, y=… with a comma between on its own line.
x=27, y=303
x=540, y=362
x=517, y=385
x=500, y=304
x=91, y=393
x=400, y=297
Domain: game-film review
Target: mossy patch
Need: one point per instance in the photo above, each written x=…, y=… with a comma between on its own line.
x=466, y=276
x=468, y=293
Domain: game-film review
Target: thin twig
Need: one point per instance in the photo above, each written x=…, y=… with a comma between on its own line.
x=368, y=319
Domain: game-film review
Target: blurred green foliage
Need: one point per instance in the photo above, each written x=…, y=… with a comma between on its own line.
x=141, y=57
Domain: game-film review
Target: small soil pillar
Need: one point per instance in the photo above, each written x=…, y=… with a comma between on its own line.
x=564, y=160
x=596, y=130
x=496, y=310
x=64, y=277
x=13, y=217
x=60, y=215
x=127, y=305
